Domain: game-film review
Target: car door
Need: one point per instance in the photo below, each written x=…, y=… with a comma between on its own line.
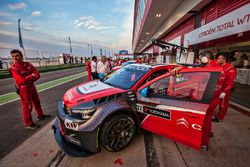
x=175, y=106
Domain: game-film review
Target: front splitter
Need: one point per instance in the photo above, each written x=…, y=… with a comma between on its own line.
x=68, y=148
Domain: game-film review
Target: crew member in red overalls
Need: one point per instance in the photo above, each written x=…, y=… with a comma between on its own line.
x=208, y=61
x=88, y=68
x=230, y=73
x=25, y=74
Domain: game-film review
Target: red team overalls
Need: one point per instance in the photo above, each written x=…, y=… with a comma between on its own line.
x=230, y=73
x=25, y=75
x=206, y=129
x=88, y=68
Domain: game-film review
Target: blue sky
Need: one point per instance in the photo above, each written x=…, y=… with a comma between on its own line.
x=46, y=24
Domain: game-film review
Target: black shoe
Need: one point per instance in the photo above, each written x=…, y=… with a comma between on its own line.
x=216, y=120
x=32, y=126
x=204, y=147
x=211, y=134
x=43, y=117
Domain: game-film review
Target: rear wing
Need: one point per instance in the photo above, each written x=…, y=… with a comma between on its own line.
x=191, y=65
x=205, y=69
x=182, y=50
x=165, y=45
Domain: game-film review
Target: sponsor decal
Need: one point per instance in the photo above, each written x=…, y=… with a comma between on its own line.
x=157, y=112
x=182, y=121
x=70, y=125
x=153, y=111
x=196, y=127
x=179, y=79
x=69, y=95
x=163, y=114
x=131, y=96
x=93, y=86
x=133, y=77
x=136, y=67
x=168, y=107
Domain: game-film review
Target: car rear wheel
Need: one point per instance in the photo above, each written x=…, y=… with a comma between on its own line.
x=117, y=132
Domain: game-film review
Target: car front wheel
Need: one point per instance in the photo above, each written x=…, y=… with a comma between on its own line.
x=117, y=132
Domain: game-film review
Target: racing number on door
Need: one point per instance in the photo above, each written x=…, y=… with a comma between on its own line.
x=139, y=108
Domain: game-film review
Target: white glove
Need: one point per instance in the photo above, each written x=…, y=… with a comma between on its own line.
x=222, y=95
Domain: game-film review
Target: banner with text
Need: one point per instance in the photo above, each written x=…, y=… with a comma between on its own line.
x=232, y=23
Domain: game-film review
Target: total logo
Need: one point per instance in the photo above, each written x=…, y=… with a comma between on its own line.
x=184, y=122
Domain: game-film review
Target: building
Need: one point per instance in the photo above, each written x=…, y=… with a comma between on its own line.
x=123, y=52
x=124, y=56
x=215, y=25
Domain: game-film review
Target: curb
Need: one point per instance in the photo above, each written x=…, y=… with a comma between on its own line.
x=244, y=110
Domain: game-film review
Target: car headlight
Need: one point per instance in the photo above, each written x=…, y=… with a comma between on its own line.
x=86, y=113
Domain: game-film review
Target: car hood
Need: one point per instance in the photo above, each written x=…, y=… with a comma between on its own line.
x=88, y=91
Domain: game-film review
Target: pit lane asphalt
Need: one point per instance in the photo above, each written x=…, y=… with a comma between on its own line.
x=7, y=85
x=12, y=132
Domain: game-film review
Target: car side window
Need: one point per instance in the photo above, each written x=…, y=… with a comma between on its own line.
x=156, y=74
x=160, y=87
x=188, y=86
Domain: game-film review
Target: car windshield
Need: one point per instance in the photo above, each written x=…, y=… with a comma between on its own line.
x=127, y=76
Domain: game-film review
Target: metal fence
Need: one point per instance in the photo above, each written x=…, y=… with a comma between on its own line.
x=37, y=57
x=30, y=54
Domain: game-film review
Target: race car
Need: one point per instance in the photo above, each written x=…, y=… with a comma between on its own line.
x=128, y=62
x=110, y=112
x=123, y=65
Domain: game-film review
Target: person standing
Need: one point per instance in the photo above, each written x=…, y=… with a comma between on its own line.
x=230, y=73
x=94, y=68
x=88, y=68
x=118, y=62
x=110, y=64
x=197, y=62
x=244, y=62
x=102, y=67
x=25, y=74
x=139, y=60
x=1, y=64
x=64, y=59
x=208, y=61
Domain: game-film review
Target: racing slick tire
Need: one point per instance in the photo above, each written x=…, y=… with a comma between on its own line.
x=117, y=132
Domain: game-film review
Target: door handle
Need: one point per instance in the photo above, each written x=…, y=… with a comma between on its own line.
x=192, y=115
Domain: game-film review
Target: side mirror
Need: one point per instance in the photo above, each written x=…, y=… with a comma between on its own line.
x=144, y=92
x=101, y=75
